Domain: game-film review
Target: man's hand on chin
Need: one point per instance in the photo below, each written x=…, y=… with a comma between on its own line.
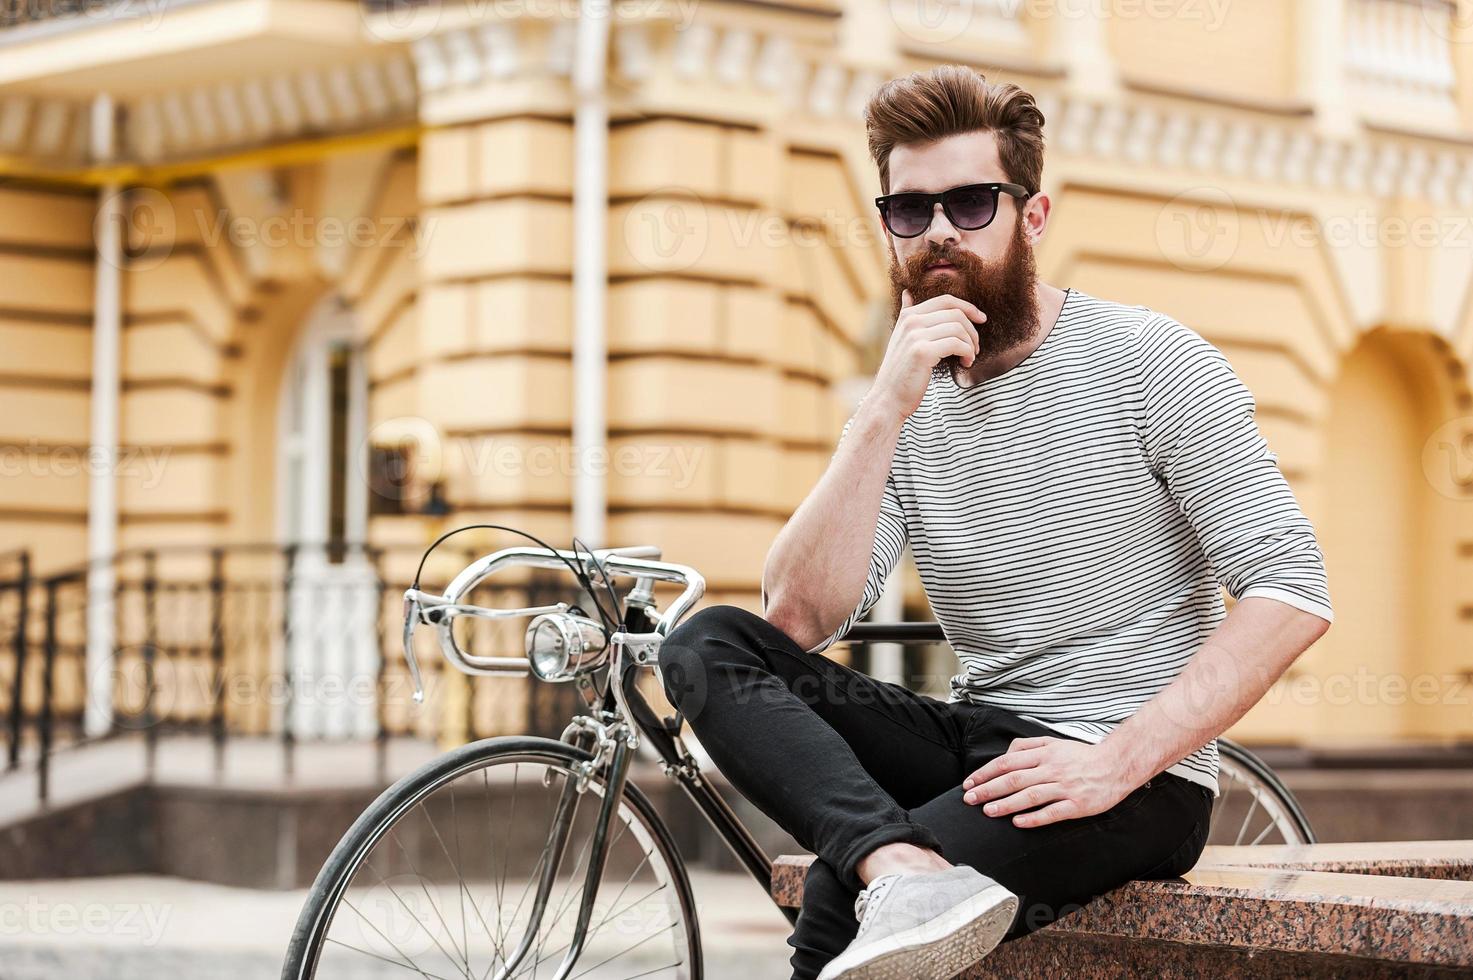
x=1074, y=779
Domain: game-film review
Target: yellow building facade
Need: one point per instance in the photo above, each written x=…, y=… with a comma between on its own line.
x=341, y=302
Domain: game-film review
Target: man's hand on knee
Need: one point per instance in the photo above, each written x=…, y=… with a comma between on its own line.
x=1067, y=778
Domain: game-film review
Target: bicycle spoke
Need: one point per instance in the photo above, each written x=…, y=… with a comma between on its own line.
x=460, y=879
x=563, y=902
x=1247, y=817
x=667, y=966
x=546, y=855
x=434, y=907
x=455, y=829
x=610, y=912
x=511, y=928
x=506, y=852
x=387, y=940
x=582, y=882
x=622, y=952
x=400, y=899
x=380, y=956
x=627, y=882
x=1264, y=799
x=608, y=915
x=532, y=878
x=491, y=851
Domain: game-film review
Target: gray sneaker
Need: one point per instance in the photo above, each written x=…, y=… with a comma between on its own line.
x=927, y=926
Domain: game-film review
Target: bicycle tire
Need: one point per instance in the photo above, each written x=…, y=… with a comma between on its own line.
x=1260, y=770
x=342, y=864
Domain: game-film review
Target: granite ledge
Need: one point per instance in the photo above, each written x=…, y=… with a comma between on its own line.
x=1378, y=917
x=1443, y=859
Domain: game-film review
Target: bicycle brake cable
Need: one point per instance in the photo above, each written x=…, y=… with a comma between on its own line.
x=578, y=573
x=604, y=572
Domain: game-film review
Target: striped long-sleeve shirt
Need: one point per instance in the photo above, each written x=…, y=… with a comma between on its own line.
x=1075, y=519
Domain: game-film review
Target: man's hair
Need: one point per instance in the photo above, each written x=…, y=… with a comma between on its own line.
x=949, y=99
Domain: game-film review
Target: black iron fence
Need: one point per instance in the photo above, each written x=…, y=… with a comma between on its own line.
x=289, y=643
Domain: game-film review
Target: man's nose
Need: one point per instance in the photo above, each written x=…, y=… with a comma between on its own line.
x=941, y=229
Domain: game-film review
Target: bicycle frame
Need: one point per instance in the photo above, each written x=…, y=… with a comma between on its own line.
x=678, y=765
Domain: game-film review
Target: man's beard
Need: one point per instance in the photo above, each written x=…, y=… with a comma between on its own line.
x=1002, y=289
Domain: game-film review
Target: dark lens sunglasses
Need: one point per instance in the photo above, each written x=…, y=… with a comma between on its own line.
x=969, y=208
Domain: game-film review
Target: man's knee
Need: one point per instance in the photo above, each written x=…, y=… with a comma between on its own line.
x=687, y=657
x=722, y=620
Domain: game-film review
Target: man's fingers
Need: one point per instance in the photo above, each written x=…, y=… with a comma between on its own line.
x=946, y=332
x=951, y=345
x=1053, y=813
x=1002, y=786
x=948, y=301
x=906, y=302
x=1026, y=799
x=1009, y=761
x=951, y=319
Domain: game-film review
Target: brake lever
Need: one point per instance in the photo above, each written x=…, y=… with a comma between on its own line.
x=411, y=614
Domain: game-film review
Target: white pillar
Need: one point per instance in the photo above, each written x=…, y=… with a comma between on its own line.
x=1078, y=41
x=887, y=660
x=1322, y=75
x=590, y=274
x=102, y=504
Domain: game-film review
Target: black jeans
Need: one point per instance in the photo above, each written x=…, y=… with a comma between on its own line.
x=846, y=763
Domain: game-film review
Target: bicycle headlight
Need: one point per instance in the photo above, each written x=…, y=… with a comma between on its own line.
x=560, y=646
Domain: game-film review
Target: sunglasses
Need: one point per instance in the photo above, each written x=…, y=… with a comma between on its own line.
x=968, y=208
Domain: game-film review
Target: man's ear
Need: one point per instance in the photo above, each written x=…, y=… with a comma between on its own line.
x=1035, y=217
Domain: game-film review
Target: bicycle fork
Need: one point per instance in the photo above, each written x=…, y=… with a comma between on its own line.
x=620, y=750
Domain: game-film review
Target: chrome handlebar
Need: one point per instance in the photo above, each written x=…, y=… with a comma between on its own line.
x=639, y=562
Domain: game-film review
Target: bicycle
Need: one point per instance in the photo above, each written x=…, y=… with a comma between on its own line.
x=355, y=920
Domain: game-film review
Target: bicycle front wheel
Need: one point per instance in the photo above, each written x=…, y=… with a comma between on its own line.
x=454, y=872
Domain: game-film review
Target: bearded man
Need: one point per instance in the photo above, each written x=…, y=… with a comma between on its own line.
x=1078, y=480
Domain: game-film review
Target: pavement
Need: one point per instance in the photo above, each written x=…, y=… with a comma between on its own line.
x=148, y=927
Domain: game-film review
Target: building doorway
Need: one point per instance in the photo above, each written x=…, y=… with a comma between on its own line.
x=330, y=655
